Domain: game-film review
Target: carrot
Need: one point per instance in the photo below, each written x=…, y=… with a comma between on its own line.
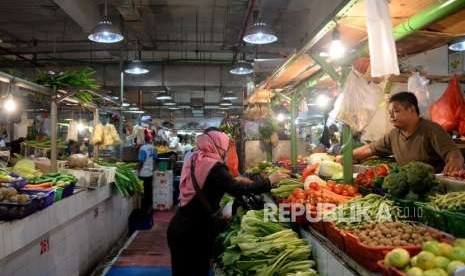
x=40, y=186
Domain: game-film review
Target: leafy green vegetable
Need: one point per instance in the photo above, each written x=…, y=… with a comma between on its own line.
x=414, y=181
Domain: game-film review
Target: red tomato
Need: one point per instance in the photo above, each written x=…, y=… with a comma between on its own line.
x=345, y=193
x=331, y=182
x=338, y=189
x=314, y=186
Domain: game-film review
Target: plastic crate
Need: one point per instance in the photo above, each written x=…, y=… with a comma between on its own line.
x=18, y=184
x=43, y=201
x=319, y=226
x=335, y=235
x=431, y=217
x=12, y=211
x=68, y=190
x=455, y=223
x=409, y=210
x=368, y=256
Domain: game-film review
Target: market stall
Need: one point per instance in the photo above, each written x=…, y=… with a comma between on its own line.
x=57, y=202
x=386, y=218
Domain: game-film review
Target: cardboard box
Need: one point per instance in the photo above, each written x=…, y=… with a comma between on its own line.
x=162, y=190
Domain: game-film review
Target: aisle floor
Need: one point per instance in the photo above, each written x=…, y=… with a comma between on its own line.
x=148, y=253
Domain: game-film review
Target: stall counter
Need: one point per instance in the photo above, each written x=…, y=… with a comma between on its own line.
x=68, y=238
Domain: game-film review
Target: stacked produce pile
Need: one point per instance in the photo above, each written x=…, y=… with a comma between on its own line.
x=414, y=181
x=44, y=144
x=436, y=259
x=126, y=181
x=454, y=201
x=259, y=247
x=11, y=195
x=50, y=181
x=378, y=209
x=286, y=187
x=372, y=177
x=394, y=234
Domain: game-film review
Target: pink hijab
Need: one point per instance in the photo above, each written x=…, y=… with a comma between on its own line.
x=210, y=149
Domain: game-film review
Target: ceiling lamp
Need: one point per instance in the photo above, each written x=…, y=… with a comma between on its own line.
x=10, y=104
x=226, y=103
x=241, y=68
x=229, y=96
x=125, y=104
x=105, y=31
x=136, y=68
x=169, y=103
x=337, y=48
x=259, y=33
x=457, y=45
x=163, y=96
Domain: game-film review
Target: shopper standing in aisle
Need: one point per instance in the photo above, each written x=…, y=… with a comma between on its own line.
x=204, y=180
x=147, y=156
x=413, y=138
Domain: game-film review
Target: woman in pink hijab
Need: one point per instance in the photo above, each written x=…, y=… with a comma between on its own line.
x=204, y=180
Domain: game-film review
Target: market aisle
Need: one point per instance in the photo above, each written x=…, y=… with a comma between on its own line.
x=148, y=253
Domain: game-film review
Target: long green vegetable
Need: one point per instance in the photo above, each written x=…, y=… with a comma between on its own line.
x=264, y=248
x=126, y=181
x=364, y=210
x=286, y=187
x=449, y=201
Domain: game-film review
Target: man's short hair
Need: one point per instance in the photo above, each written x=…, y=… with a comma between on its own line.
x=407, y=99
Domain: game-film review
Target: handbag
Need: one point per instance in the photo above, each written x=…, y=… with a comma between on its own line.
x=219, y=223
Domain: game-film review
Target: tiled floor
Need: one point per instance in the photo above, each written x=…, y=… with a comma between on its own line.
x=150, y=247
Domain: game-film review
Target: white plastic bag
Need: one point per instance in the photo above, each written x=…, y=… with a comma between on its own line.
x=360, y=103
x=383, y=54
x=418, y=85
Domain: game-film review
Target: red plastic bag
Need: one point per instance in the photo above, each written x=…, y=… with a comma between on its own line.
x=232, y=160
x=461, y=119
x=447, y=110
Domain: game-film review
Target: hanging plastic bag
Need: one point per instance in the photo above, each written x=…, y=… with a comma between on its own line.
x=232, y=160
x=418, y=85
x=359, y=103
x=448, y=109
x=383, y=54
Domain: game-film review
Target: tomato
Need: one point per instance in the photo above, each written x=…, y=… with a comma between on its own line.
x=314, y=186
x=338, y=189
x=352, y=191
x=345, y=193
x=382, y=170
x=331, y=182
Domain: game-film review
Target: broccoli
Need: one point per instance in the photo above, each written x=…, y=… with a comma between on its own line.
x=420, y=176
x=396, y=184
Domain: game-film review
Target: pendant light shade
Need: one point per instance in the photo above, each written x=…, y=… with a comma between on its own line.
x=163, y=96
x=136, y=68
x=169, y=103
x=337, y=48
x=226, y=103
x=260, y=34
x=229, y=96
x=458, y=45
x=105, y=31
x=241, y=68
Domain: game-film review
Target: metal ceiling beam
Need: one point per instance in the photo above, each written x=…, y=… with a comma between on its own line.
x=84, y=12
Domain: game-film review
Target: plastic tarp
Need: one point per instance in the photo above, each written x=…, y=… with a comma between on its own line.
x=383, y=53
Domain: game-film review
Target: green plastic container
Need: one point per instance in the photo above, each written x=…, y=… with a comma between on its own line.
x=409, y=210
x=455, y=223
x=163, y=166
x=58, y=194
x=431, y=217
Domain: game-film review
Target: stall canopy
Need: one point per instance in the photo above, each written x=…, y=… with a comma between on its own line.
x=418, y=26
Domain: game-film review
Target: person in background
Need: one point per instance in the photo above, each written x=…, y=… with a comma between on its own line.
x=147, y=156
x=413, y=139
x=204, y=180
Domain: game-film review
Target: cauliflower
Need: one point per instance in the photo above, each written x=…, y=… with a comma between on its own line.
x=330, y=169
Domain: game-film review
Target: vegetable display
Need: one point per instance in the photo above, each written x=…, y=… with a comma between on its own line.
x=330, y=169
x=435, y=259
x=126, y=181
x=26, y=168
x=265, y=248
x=394, y=234
x=286, y=187
x=372, y=177
x=414, y=181
x=449, y=201
x=50, y=180
x=377, y=208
